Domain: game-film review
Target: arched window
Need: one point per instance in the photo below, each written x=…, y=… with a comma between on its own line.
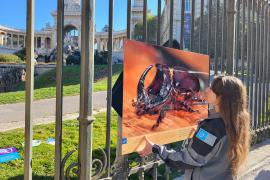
x=71, y=36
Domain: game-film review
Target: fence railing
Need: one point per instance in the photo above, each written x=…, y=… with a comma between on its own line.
x=234, y=33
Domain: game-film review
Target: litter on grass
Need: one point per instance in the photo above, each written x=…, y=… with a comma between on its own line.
x=9, y=154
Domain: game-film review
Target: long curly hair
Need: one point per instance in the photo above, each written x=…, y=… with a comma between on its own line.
x=233, y=109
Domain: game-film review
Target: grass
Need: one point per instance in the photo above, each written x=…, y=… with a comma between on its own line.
x=43, y=155
x=45, y=84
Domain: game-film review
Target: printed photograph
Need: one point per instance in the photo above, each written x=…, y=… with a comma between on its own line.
x=161, y=93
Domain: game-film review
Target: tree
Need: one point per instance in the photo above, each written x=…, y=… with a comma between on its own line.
x=105, y=28
x=151, y=29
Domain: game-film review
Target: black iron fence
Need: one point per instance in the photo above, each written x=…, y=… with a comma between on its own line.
x=234, y=33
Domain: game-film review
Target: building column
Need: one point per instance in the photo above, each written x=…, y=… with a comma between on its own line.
x=98, y=44
x=117, y=43
x=106, y=45
x=5, y=39
x=24, y=41
x=11, y=40
x=1, y=39
x=42, y=43
x=36, y=42
x=18, y=41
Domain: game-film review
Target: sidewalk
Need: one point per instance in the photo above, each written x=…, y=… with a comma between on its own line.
x=258, y=165
x=12, y=115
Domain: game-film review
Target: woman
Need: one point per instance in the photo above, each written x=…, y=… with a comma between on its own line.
x=220, y=145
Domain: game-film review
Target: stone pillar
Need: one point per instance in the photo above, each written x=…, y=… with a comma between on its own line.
x=24, y=41
x=98, y=44
x=42, y=43
x=1, y=39
x=5, y=40
x=106, y=44
x=36, y=42
x=11, y=40
x=102, y=45
x=117, y=44
x=18, y=41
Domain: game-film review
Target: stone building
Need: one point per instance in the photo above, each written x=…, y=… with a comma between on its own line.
x=165, y=22
x=12, y=39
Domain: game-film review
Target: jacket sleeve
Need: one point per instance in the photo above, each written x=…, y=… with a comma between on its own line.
x=204, y=145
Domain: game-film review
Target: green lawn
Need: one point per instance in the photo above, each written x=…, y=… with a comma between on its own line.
x=45, y=84
x=43, y=155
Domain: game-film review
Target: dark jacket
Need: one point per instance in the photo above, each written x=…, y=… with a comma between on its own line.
x=204, y=157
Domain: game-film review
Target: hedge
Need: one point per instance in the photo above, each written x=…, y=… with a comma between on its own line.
x=10, y=58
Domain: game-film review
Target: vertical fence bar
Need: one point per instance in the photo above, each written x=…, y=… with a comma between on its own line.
x=155, y=167
x=141, y=171
x=252, y=56
x=209, y=27
x=237, y=32
x=171, y=23
x=223, y=41
x=158, y=22
x=257, y=49
x=145, y=20
x=128, y=18
x=230, y=37
x=201, y=26
x=59, y=90
x=192, y=25
x=265, y=64
x=29, y=89
x=243, y=44
x=182, y=24
x=86, y=90
x=260, y=69
x=109, y=88
x=248, y=51
x=216, y=37
x=268, y=69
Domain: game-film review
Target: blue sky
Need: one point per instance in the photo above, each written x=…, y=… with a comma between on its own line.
x=13, y=13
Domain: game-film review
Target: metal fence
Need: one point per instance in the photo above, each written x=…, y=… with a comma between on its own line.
x=234, y=33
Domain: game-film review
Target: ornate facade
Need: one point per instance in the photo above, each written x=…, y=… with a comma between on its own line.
x=12, y=39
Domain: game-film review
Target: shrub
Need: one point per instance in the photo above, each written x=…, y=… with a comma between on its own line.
x=21, y=54
x=73, y=59
x=7, y=58
x=101, y=57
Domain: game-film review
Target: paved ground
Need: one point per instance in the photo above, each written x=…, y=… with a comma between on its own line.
x=12, y=115
x=258, y=165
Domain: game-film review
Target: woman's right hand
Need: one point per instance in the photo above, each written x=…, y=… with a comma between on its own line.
x=147, y=147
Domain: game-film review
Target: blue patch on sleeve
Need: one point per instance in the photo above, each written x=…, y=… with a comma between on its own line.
x=124, y=141
x=202, y=134
x=206, y=137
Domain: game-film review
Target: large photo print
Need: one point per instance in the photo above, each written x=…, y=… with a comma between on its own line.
x=161, y=94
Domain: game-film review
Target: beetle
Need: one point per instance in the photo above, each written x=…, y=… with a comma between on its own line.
x=171, y=89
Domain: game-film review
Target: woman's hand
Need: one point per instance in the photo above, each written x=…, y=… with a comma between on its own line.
x=147, y=147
